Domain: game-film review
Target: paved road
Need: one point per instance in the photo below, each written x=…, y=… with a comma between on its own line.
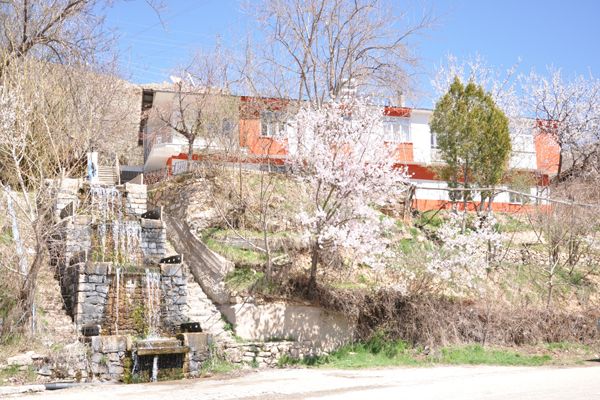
x=447, y=383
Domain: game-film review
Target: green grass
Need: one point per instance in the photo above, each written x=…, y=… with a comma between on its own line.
x=241, y=257
x=477, y=354
x=510, y=224
x=217, y=365
x=567, y=346
x=14, y=371
x=236, y=255
x=241, y=279
x=379, y=353
x=432, y=219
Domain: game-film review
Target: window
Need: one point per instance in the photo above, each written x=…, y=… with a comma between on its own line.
x=434, y=143
x=397, y=130
x=272, y=123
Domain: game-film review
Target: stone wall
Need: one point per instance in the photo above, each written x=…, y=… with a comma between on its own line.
x=199, y=351
x=90, y=284
x=90, y=293
x=268, y=354
x=173, y=284
x=154, y=238
x=136, y=200
x=106, y=362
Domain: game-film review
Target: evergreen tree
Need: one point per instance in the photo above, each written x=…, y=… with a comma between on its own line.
x=473, y=138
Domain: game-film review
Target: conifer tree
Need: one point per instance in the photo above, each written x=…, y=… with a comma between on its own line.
x=473, y=138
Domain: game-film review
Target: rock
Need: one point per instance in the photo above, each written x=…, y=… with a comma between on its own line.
x=45, y=371
x=21, y=359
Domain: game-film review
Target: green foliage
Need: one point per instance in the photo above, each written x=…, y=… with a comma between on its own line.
x=430, y=219
x=139, y=321
x=473, y=137
x=127, y=366
x=6, y=236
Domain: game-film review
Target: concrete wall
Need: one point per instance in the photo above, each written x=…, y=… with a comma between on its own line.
x=324, y=329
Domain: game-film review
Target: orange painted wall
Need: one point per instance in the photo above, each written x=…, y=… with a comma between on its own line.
x=257, y=144
x=403, y=152
x=547, y=153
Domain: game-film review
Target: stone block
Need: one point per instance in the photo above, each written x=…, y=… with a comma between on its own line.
x=196, y=341
x=151, y=224
x=94, y=300
x=98, y=268
x=96, y=357
x=115, y=370
x=86, y=287
x=113, y=343
x=96, y=278
x=96, y=344
x=175, y=270
x=102, y=289
x=93, y=311
x=135, y=188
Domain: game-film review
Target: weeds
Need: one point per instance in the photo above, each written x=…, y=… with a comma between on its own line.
x=241, y=279
x=381, y=353
x=476, y=354
x=216, y=364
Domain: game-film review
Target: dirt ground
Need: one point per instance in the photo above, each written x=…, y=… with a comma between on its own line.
x=448, y=383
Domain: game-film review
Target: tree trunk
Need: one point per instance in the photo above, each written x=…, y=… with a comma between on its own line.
x=560, y=163
x=190, y=154
x=269, y=264
x=312, y=283
x=24, y=306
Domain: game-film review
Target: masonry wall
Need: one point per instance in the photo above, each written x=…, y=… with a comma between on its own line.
x=154, y=238
x=90, y=293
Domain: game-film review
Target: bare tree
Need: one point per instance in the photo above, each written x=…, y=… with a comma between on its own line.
x=317, y=49
x=569, y=112
x=45, y=133
x=54, y=30
x=202, y=106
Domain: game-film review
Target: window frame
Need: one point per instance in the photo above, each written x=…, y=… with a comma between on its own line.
x=272, y=124
x=405, y=134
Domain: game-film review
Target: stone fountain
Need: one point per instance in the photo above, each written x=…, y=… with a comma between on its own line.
x=125, y=295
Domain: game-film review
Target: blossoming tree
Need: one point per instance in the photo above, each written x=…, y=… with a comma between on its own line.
x=465, y=255
x=349, y=171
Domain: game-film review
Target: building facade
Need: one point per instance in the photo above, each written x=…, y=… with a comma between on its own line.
x=256, y=130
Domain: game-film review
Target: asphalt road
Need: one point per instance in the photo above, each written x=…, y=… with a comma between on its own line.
x=447, y=383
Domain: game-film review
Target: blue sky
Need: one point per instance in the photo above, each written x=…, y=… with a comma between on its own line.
x=540, y=33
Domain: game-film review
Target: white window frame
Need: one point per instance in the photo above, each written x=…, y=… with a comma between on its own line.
x=271, y=124
x=397, y=130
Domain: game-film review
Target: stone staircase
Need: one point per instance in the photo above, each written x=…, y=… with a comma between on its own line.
x=52, y=322
x=202, y=309
x=107, y=175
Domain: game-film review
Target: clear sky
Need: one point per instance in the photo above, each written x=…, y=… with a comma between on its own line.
x=539, y=32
